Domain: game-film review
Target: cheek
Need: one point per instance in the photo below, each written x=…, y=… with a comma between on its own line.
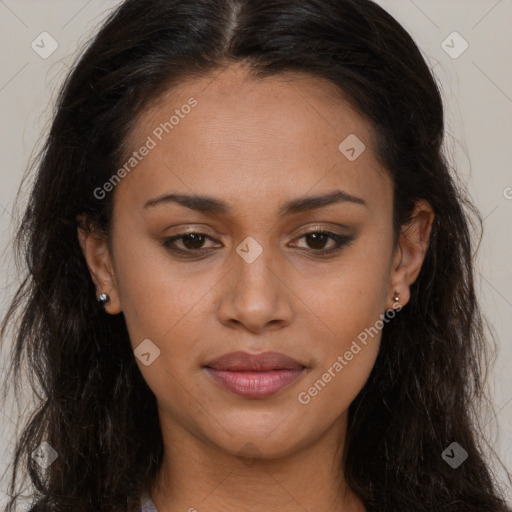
x=346, y=356
x=161, y=305
x=156, y=294
x=165, y=302
x=348, y=310
x=350, y=294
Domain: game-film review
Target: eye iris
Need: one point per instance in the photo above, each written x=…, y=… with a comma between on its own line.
x=318, y=238
x=198, y=240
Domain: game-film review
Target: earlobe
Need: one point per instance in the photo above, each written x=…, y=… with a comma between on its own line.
x=98, y=259
x=413, y=244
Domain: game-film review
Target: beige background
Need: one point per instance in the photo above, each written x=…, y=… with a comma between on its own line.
x=477, y=87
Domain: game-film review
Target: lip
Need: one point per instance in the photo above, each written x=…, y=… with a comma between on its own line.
x=244, y=361
x=254, y=375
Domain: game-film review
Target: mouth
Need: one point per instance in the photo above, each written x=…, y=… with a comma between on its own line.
x=254, y=376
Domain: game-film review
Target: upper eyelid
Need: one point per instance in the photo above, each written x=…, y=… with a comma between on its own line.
x=303, y=231
x=313, y=229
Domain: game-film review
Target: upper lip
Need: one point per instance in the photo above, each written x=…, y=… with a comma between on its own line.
x=265, y=361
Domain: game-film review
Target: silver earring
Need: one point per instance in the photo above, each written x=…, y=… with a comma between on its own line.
x=103, y=299
x=396, y=297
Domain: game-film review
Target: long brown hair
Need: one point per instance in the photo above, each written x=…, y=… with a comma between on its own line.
x=96, y=410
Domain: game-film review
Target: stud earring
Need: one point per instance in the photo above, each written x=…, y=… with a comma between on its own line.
x=396, y=305
x=103, y=299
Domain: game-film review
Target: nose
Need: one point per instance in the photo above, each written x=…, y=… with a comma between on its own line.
x=256, y=295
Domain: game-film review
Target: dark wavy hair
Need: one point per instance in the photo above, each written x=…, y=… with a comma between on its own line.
x=94, y=407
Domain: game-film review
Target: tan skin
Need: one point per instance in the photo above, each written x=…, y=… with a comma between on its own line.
x=254, y=144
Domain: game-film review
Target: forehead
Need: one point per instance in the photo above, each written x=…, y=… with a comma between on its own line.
x=274, y=137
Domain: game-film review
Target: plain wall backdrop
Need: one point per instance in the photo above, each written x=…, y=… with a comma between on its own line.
x=468, y=43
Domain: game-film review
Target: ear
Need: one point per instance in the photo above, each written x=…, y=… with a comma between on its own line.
x=410, y=253
x=97, y=256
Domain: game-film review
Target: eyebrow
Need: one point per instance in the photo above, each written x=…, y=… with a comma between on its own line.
x=208, y=204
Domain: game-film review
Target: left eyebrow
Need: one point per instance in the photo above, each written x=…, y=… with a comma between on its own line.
x=314, y=202
x=208, y=204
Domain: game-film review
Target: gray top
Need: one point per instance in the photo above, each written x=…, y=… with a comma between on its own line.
x=147, y=505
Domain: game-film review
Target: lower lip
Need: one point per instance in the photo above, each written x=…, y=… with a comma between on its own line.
x=254, y=384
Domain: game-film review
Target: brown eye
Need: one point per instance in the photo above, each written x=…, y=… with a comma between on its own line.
x=190, y=242
x=317, y=239
x=193, y=240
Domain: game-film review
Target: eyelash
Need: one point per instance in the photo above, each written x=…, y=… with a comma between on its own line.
x=340, y=240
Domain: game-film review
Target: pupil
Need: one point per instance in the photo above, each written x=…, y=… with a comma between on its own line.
x=198, y=240
x=319, y=239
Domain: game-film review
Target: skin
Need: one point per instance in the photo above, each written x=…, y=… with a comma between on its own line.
x=254, y=144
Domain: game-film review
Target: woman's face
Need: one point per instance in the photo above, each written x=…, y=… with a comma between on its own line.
x=255, y=281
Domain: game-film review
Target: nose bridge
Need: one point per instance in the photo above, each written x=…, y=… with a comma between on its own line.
x=255, y=296
x=252, y=268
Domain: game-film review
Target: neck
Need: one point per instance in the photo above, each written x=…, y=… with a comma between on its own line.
x=197, y=475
